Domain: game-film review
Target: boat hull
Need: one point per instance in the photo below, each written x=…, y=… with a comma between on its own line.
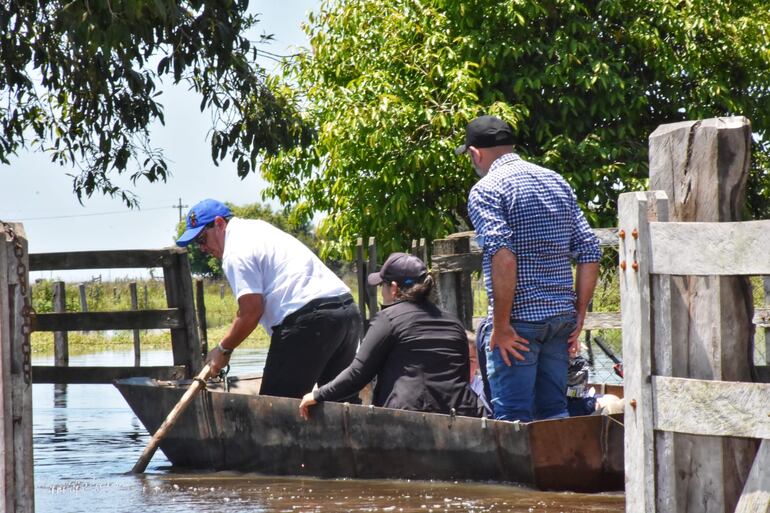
x=240, y=430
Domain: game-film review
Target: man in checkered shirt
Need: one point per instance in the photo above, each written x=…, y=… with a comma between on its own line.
x=531, y=230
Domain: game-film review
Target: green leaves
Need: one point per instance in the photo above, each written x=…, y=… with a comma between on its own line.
x=391, y=84
x=81, y=77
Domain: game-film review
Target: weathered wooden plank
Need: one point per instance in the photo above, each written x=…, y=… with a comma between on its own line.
x=755, y=497
x=361, y=279
x=766, y=316
x=729, y=248
x=61, y=342
x=200, y=312
x=372, y=267
x=170, y=318
x=602, y=320
x=713, y=408
x=185, y=345
x=16, y=462
x=456, y=263
x=103, y=375
x=137, y=342
x=634, y=209
x=117, y=259
x=703, y=166
x=454, y=288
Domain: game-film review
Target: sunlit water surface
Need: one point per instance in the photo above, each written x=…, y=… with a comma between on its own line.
x=86, y=439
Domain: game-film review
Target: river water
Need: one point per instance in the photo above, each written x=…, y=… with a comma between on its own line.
x=86, y=439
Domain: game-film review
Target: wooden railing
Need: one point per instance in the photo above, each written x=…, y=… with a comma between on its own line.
x=179, y=318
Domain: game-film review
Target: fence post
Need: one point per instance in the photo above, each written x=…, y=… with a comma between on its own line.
x=702, y=166
x=361, y=280
x=200, y=304
x=135, y=306
x=83, y=300
x=60, y=338
x=766, y=287
x=185, y=342
x=16, y=470
x=455, y=290
x=372, y=267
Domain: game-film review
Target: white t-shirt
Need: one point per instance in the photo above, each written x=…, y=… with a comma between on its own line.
x=261, y=259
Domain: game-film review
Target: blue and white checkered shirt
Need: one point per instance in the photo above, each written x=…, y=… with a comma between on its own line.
x=533, y=212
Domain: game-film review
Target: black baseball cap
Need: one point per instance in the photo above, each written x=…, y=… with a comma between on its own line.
x=486, y=132
x=403, y=268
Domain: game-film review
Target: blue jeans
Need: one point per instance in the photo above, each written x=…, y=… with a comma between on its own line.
x=533, y=388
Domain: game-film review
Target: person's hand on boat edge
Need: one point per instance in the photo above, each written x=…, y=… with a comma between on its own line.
x=304, y=407
x=218, y=358
x=509, y=342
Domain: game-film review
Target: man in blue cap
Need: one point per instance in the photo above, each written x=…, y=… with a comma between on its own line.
x=531, y=230
x=309, y=313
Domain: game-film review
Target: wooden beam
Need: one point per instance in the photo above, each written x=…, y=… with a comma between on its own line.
x=602, y=321
x=713, y=408
x=711, y=249
x=118, y=259
x=169, y=318
x=456, y=263
x=361, y=280
x=102, y=375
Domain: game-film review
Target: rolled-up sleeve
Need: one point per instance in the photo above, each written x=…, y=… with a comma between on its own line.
x=584, y=244
x=487, y=214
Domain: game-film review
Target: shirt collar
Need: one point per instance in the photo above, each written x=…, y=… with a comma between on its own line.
x=503, y=160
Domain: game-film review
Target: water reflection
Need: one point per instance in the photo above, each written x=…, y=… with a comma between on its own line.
x=86, y=439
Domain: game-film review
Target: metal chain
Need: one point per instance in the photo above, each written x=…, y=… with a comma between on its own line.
x=27, y=311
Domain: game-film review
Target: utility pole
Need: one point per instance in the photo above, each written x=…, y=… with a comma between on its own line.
x=180, y=207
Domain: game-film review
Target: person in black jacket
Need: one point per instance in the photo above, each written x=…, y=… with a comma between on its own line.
x=418, y=352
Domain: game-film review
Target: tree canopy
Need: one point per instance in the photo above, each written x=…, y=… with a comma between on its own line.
x=389, y=86
x=81, y=80
x=203, y=264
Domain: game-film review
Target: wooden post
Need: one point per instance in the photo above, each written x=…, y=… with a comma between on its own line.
x=200, y=305
x=372, y=267
x=766, y=287
x=60, y=338
x=633, y=211
x=146, y=298
x=455, y=291
x=83, y=300
x=185, y=344
x=422, y=250
x=361, y=279
x=18, y=491
x=135, y=306
x=703, y=166
x=221, y=291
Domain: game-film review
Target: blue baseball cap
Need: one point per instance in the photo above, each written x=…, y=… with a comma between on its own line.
x=199, y=216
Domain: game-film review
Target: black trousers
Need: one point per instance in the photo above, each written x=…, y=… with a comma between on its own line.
x=312, y=345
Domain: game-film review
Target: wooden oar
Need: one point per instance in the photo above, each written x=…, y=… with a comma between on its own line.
x=171, y=419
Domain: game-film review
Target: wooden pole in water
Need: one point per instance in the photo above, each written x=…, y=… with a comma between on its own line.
x=197, y=384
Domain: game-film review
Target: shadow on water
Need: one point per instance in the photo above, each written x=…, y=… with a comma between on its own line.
x=86, y=439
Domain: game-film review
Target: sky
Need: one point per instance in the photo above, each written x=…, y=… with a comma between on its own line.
x=39, y=193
